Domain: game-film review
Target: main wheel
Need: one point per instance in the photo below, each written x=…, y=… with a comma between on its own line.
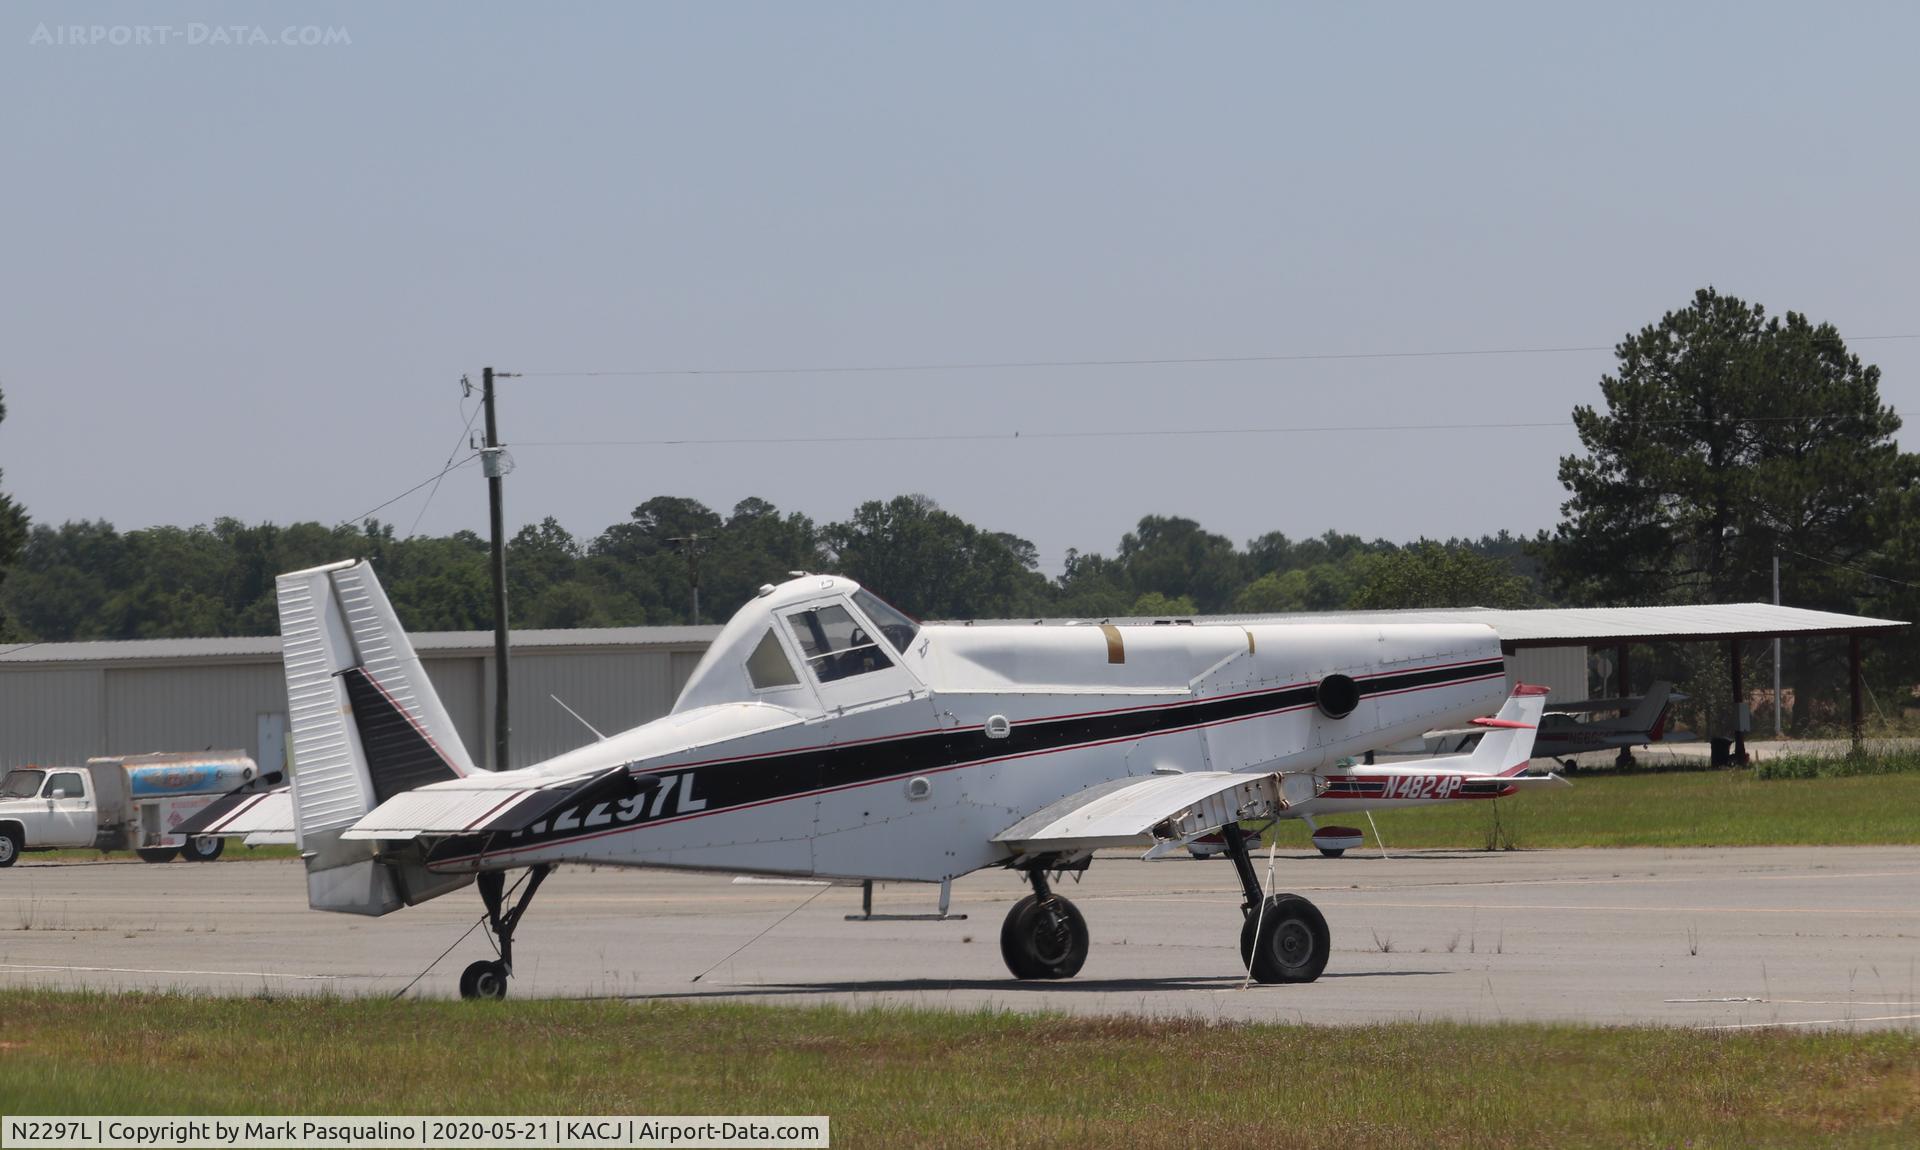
x=203, y=848
x=1044, y=938
x=157, y=854
x=484, y=980
x=9, y=846
x=1293, y=941
x=1333, y=852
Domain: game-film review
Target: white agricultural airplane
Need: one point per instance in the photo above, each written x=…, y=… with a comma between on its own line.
x=826, y=735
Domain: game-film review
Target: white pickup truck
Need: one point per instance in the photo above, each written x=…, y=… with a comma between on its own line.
x=117, y=803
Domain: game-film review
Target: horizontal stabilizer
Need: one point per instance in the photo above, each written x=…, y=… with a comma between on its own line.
x=483, y=804
x=241, y=813
x=1126, y=812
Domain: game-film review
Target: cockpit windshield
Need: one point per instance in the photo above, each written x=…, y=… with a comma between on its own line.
x=896, y=626
x=834, y=645
x=21, y=784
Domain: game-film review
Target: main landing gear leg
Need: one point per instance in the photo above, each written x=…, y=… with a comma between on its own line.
x=1284, y=938
x=1044, y=935
x=489, y=979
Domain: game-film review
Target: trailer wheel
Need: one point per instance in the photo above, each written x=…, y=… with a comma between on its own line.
x=203, y=848
x=157, y=854
x=9, y=846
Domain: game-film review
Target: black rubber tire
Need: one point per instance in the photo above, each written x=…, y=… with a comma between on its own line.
x=157, y=854
x=9, y=846
x=203, y=848
x=1333, y=852
x=1294, y=942
x=484, y=980
x=1044, y=940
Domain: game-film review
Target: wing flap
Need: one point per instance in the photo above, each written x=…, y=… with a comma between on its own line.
x=1127, y=812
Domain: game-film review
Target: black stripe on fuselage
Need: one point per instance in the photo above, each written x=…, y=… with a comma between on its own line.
x=729, y=783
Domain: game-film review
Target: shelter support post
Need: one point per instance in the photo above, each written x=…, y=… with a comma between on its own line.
x=1853, y=684
x=1621, y=672
x=1739, y=698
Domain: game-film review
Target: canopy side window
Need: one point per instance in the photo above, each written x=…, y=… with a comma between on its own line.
x=66, y=781
x=834, y=645
x=895, y=624
x=769, y=666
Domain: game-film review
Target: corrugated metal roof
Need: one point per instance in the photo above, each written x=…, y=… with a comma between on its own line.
x=427, y=643
x=1578, y=625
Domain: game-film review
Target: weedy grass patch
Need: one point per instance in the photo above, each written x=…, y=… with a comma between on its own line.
x=924, y=1078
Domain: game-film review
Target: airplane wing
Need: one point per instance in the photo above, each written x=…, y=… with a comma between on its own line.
x=1128, y=812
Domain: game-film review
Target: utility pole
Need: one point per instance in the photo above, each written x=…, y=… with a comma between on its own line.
x=493, y=461
x=1776, y=649
x=690, y=544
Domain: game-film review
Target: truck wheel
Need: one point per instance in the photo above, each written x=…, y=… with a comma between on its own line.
x=203, y=848
x=9, y=846
x=157, y=854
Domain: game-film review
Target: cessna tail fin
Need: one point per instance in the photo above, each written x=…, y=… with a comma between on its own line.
x=1649, y=714
x=366, y=725
x=1508, y=744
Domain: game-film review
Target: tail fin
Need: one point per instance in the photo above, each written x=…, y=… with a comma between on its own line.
x=1508, y=744
x=1649, y=714
x=366, y=725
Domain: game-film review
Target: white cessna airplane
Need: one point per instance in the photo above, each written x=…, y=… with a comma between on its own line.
x=1492, y=769
x=826, y=735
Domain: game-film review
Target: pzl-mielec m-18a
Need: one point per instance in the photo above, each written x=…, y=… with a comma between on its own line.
x=826, y=735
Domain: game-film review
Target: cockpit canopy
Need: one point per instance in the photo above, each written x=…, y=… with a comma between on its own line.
x=802, y=645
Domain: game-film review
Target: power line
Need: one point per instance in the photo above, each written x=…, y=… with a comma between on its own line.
x=1850, y=567
x=1136, y=433
x=1162, y=361
x=409, y=491
x=448, y=466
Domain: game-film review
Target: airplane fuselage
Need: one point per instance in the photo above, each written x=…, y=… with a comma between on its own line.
x=908, y=773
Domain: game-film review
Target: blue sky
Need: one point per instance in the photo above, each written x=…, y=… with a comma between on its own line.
x=245, y=279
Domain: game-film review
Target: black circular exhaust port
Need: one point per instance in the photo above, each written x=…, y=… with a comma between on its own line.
x=1336, y=696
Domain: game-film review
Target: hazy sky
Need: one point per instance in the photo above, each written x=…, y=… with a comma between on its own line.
x=244, y=279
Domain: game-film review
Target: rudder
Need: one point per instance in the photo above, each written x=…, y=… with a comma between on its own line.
x=365, y=725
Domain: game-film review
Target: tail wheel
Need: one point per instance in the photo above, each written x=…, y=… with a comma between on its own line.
x=9, y=846
x=1044, y=938
x=203, y=848
x=1285, y=941
x=484, y=980
x=157, y=854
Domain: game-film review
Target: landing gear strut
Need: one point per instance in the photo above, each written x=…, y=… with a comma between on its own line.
x=486, y=979
x=1284, y=938
x=1044, y=935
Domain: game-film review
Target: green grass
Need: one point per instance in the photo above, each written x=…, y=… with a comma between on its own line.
x=1693, y=809
x=907, y=1078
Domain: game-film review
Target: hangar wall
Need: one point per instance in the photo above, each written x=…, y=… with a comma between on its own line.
x=1562, y=669
x=66, y=702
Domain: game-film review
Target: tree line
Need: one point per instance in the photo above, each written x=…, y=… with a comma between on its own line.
x=86, y=580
